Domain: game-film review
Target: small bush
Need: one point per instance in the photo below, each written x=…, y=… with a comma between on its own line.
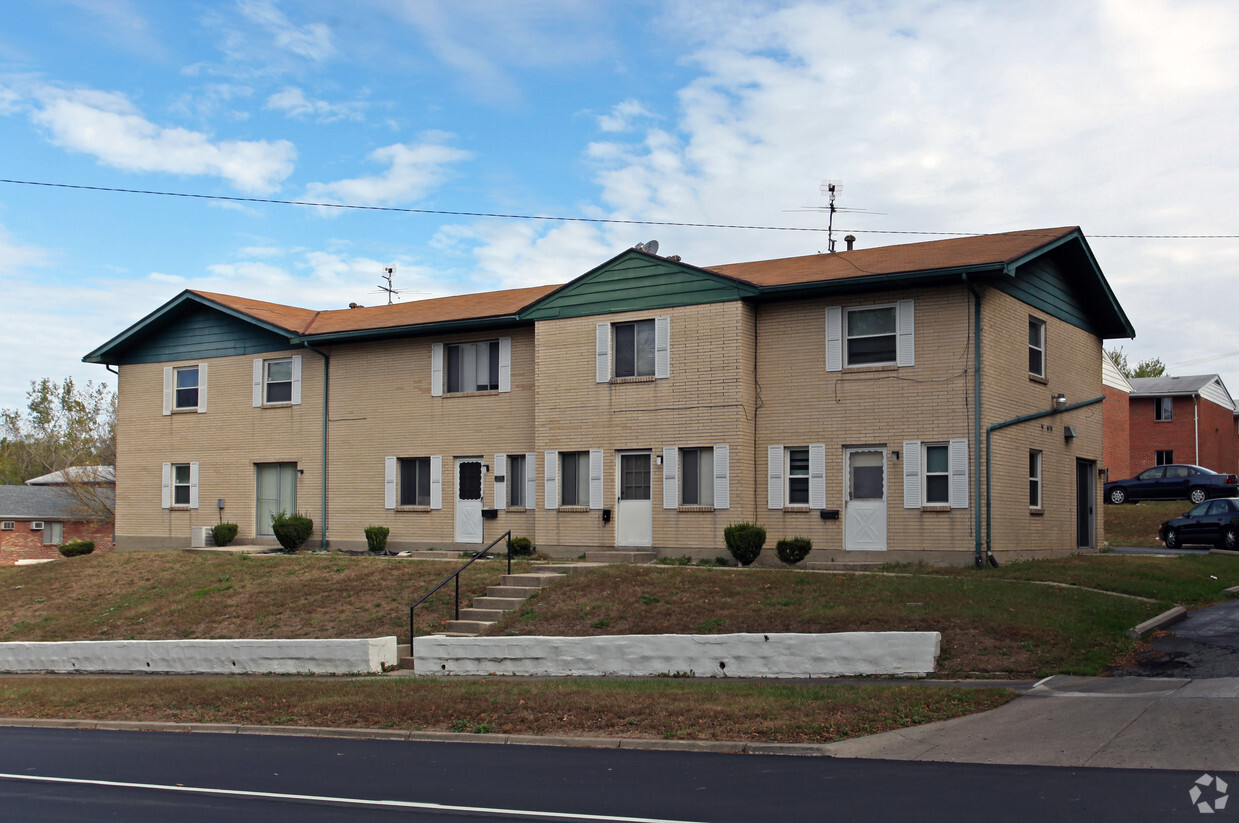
x=521, y=546
x=376, y=538
x=292, y=530
x=224, y=533
x=792, y=551
x=744, y=541
x=76, y=548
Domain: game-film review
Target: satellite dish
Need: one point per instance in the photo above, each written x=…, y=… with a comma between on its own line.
x=649, y=247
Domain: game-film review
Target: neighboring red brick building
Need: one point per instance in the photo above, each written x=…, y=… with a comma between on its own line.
x=1116, y=440
x=36, y=520
x=1188, y=419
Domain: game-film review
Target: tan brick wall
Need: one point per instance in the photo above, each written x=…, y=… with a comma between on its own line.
x=226, y=442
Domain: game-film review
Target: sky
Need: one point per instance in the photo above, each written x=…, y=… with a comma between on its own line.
x=938, y=118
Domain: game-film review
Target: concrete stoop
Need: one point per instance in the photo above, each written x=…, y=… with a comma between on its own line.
x=635, y=557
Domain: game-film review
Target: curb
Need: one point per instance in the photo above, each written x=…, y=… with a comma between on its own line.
x=714, y=746
x=1162, y=620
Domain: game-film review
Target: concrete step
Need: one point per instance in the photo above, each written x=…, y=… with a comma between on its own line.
x=840, y=565
x=516, y=592
x=506, y=604
x=489, y=615
x=537, y=579
x=467, y=628
x=621, y=556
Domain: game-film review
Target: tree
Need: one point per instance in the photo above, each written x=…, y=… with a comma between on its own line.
x=62, y=426
x=1150, y=367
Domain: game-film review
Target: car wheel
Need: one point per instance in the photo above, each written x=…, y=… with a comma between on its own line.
x=1172, y=538
x=1229, y=539
x=1198, y=495
x=1118, y=496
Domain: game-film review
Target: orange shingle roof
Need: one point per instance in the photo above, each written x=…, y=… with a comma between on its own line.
x=958, y=252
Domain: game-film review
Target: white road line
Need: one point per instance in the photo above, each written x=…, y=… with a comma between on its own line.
x=351, y=801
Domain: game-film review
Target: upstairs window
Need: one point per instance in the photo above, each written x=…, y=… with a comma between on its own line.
x=473, y=367
x=1163, y=408
x=868, y=336
x=871, y=336
x=186, y=388
x=638, y=348
x=1036, y=347
x=277, y=382
x=634, y=349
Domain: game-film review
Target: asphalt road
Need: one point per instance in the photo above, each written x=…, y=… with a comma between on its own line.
x=64, y=775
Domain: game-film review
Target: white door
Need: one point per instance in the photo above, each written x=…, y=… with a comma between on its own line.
x=635, y=510
x=864, y=519
x=468, y=500
x=275, y=487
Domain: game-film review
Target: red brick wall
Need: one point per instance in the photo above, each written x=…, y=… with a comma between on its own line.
x=1216, y=430
x=1116, y=435
x=24, y=544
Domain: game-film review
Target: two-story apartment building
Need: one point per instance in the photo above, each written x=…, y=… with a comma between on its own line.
x=924, y=402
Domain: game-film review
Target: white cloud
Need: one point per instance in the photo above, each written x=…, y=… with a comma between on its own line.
x=413, y=170
x=622, y=116
x=109, y=127
x=16, y=256
x=293, y=102
x=312, y=41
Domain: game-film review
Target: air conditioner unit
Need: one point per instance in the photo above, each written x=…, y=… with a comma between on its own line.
x=36, y=525
x=202, y=537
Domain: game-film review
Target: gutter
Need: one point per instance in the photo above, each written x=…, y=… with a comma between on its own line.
x=976, y=419
x=417, y=329
x=326, y=405
x=1196, y=424
x=988, y=439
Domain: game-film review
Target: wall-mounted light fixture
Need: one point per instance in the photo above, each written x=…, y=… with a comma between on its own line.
x=1060, y=401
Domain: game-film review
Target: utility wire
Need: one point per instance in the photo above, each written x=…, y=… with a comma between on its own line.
x=553, y=218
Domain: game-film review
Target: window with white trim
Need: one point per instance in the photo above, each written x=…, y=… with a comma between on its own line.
x=53, y=533
x=473, y=367
x=1034, y=479
x=277, y=381
x=636, y=348
x=186, y=388
x=797, y=477
x=413, y=481
x=1036, y=347
x=7, y=525
x=1163, y=408
x=697, y=477
x=870, y=334
x=180, y=486
x=574, y=478
x=516, y=481
x=181, y=476
x=935, y=474
x=937, y=488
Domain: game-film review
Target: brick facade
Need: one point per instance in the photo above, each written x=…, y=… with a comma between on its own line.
x=1201, y=432
x=23, y=543
x=1118, y=456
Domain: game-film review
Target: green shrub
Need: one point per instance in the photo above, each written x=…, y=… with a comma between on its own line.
x=792, y=551
x=224, y=533
x=521, y=546
x=292, y=530
x=376, y=538
x=76, y=548
x=744, y=541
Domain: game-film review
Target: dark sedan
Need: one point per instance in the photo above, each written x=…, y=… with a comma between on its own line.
x=1174, y=482
x=1215, y=523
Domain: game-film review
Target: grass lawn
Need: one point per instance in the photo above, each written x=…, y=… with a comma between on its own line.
x=1135, y=524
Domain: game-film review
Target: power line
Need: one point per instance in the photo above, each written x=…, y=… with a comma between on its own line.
x=553, y=218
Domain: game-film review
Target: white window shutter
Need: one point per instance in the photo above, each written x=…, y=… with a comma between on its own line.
x=817, y=476
x=193, y=485
x=389, y=482
x=296, y=379
x=834, y=338
x=167, y=390
x=905, y=327
x=436, y=369
x=505, y=364
x=959, y=474
x=722, y=477
x=436, y=481
x=501, y=486
x=257, y=382
x=602, y=352
x=911, y=474
x=202, y=388
x=774, y=477
x=595, y=478
x=551, y=480
x=670, y=477
x=662, y=347
x=167, y=486
x=531, y=480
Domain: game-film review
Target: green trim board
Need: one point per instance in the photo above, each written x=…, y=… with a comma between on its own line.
x=1052, y=282
x=636, y=281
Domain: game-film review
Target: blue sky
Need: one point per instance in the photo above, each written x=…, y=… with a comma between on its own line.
x=1117, y=116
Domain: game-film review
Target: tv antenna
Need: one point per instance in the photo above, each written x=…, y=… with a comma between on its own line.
x=830, y=189
x=392, y=292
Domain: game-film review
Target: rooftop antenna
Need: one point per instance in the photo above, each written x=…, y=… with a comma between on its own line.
x=830, y=189
x=388, y=272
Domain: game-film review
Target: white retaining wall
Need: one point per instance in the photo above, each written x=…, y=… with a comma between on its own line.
x=202, y=656
x=718, y=655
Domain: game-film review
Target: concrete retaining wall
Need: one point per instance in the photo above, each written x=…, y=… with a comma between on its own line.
x=720, y=655
x=202, y=656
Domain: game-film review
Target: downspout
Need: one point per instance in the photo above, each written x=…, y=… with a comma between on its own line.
x=326, y=397
x=1196, y=425
x=988, y=438
x=976, y=418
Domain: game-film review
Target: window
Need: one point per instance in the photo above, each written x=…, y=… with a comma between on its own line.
x=1036, y=347
x=1034, y=480
x=414, y=481
x=797, y=477
x=937, y=486
x=181, y=477
x=1163, y=408
x=516, y=481
x=634, y=349
x=180, y=485
x=574, y=477
x=53, y=533
x=697, y=477
x=7, y=526
x=870, y=336
x=186, y=388
x=473, y=367
x=1164, y=457
x=278, y=381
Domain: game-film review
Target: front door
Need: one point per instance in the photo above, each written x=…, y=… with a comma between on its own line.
x=864, y=519
x=635, y=513
x=1084, y=503
x=468, y=500
x=275, y=486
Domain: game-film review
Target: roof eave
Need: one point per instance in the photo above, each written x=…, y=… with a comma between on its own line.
x=412, y=330
x=878, y=282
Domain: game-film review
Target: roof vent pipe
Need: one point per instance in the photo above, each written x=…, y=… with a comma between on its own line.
x=850, y=239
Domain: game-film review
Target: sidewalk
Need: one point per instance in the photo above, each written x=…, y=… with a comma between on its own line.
x=1116, y=722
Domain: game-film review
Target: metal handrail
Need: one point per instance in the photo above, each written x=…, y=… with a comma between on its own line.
x=456, y=575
